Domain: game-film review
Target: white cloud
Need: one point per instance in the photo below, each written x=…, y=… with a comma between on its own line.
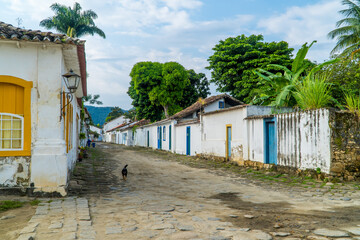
x=305, y=24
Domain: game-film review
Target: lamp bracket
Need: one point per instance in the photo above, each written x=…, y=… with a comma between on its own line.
x=69, y=97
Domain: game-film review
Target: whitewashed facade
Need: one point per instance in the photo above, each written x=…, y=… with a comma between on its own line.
x=39, y=64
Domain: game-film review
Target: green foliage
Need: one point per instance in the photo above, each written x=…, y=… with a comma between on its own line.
x=95, y=134
x=82, y=135
x=35, y=202
x=89, y=99
x=313, y=93
x=353, y=103
x=344, y=76
x=198, y=88
x=280, y=89
x=347, y=32
x=170, y=90
x=131, y=114
x=234, y=60
x=6, y=205
x=156, y=88
x=144, y=77
x=115, y=113
x=72, y=21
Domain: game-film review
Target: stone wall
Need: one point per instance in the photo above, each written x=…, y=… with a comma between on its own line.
x=14, y=172
x=345, y=145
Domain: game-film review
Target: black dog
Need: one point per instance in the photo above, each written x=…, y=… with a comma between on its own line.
x=124, y=172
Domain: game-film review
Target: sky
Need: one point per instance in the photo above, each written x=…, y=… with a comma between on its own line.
x=184, y=31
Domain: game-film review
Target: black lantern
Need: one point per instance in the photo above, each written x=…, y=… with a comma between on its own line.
x=72, y=81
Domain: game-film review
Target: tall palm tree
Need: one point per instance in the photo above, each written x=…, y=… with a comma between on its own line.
x=72, y=22
x=348, y=29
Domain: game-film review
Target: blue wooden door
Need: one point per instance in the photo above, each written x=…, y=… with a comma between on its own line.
x=270, y=142
x=148, y=139
x=170, y=137
x=228, y=142
x=159, y=137
x=188, y=140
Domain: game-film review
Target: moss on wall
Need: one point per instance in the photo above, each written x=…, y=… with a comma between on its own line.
x=345, y=145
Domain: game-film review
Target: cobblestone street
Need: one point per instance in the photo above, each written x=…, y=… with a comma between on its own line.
x=164, y=199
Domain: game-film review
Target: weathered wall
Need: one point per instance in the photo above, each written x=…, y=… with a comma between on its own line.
x=254, y=147
x=345, y=145
x=43, y=64
x=195, y=139
x=14, y=171
x=214, y=133
x=304, y=139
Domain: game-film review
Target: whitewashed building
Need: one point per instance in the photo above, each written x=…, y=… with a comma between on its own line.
x=39, y=126
x=109, y=127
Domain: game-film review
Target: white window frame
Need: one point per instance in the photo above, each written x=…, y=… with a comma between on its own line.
x=11, y=139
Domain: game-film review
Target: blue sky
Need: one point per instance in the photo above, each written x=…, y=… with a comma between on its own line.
x=180, y=30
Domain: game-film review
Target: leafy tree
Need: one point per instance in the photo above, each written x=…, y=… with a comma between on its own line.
x=198, y=88
x=131, y=114
x=347, y=32
x=234, y=60
x=115, y=112
x=72, y=21
x=92, y=99
x=144, y=77
x=169, y=92
x=344, y=77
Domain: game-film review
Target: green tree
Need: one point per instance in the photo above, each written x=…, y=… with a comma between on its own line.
x=144, y=77
x=344, y=77
x=234, y=60
x=72, y=21
x=90, y=99
x=131, y=114
x=198, y=87
x=115, y=112
x=347, y=32
x=169, y=92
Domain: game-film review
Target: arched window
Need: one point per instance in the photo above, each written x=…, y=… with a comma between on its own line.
x=15, y=116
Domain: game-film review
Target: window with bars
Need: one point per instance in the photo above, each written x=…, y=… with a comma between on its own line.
x=11, y=132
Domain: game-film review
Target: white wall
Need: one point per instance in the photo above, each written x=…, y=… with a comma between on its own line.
x=114, y=123
x=43, y=64
x=213, y=106
x=304, y=139
x=195, y=139
x=214, y=133
x=254, y=146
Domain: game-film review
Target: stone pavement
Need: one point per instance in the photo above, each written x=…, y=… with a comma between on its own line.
x=164, y=200
x=64, y=219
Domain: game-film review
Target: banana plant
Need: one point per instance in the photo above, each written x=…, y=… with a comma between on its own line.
x=283, y=86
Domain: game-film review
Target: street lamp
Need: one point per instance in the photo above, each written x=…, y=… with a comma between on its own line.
x=72, y=81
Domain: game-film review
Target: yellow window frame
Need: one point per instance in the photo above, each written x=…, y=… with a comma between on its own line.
x=27, y=85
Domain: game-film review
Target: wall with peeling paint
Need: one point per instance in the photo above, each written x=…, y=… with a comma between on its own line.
x=49, y=165
x=304, y=139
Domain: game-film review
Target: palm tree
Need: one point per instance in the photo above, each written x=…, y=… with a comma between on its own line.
x=72, y=22
x=347, y=32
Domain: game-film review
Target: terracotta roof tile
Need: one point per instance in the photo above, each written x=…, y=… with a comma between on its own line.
x=196, y=106
x=9, y=32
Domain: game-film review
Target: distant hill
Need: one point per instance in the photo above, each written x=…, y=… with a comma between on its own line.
x=99, y=114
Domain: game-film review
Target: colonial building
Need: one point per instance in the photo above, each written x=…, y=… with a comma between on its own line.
x=39, y=111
